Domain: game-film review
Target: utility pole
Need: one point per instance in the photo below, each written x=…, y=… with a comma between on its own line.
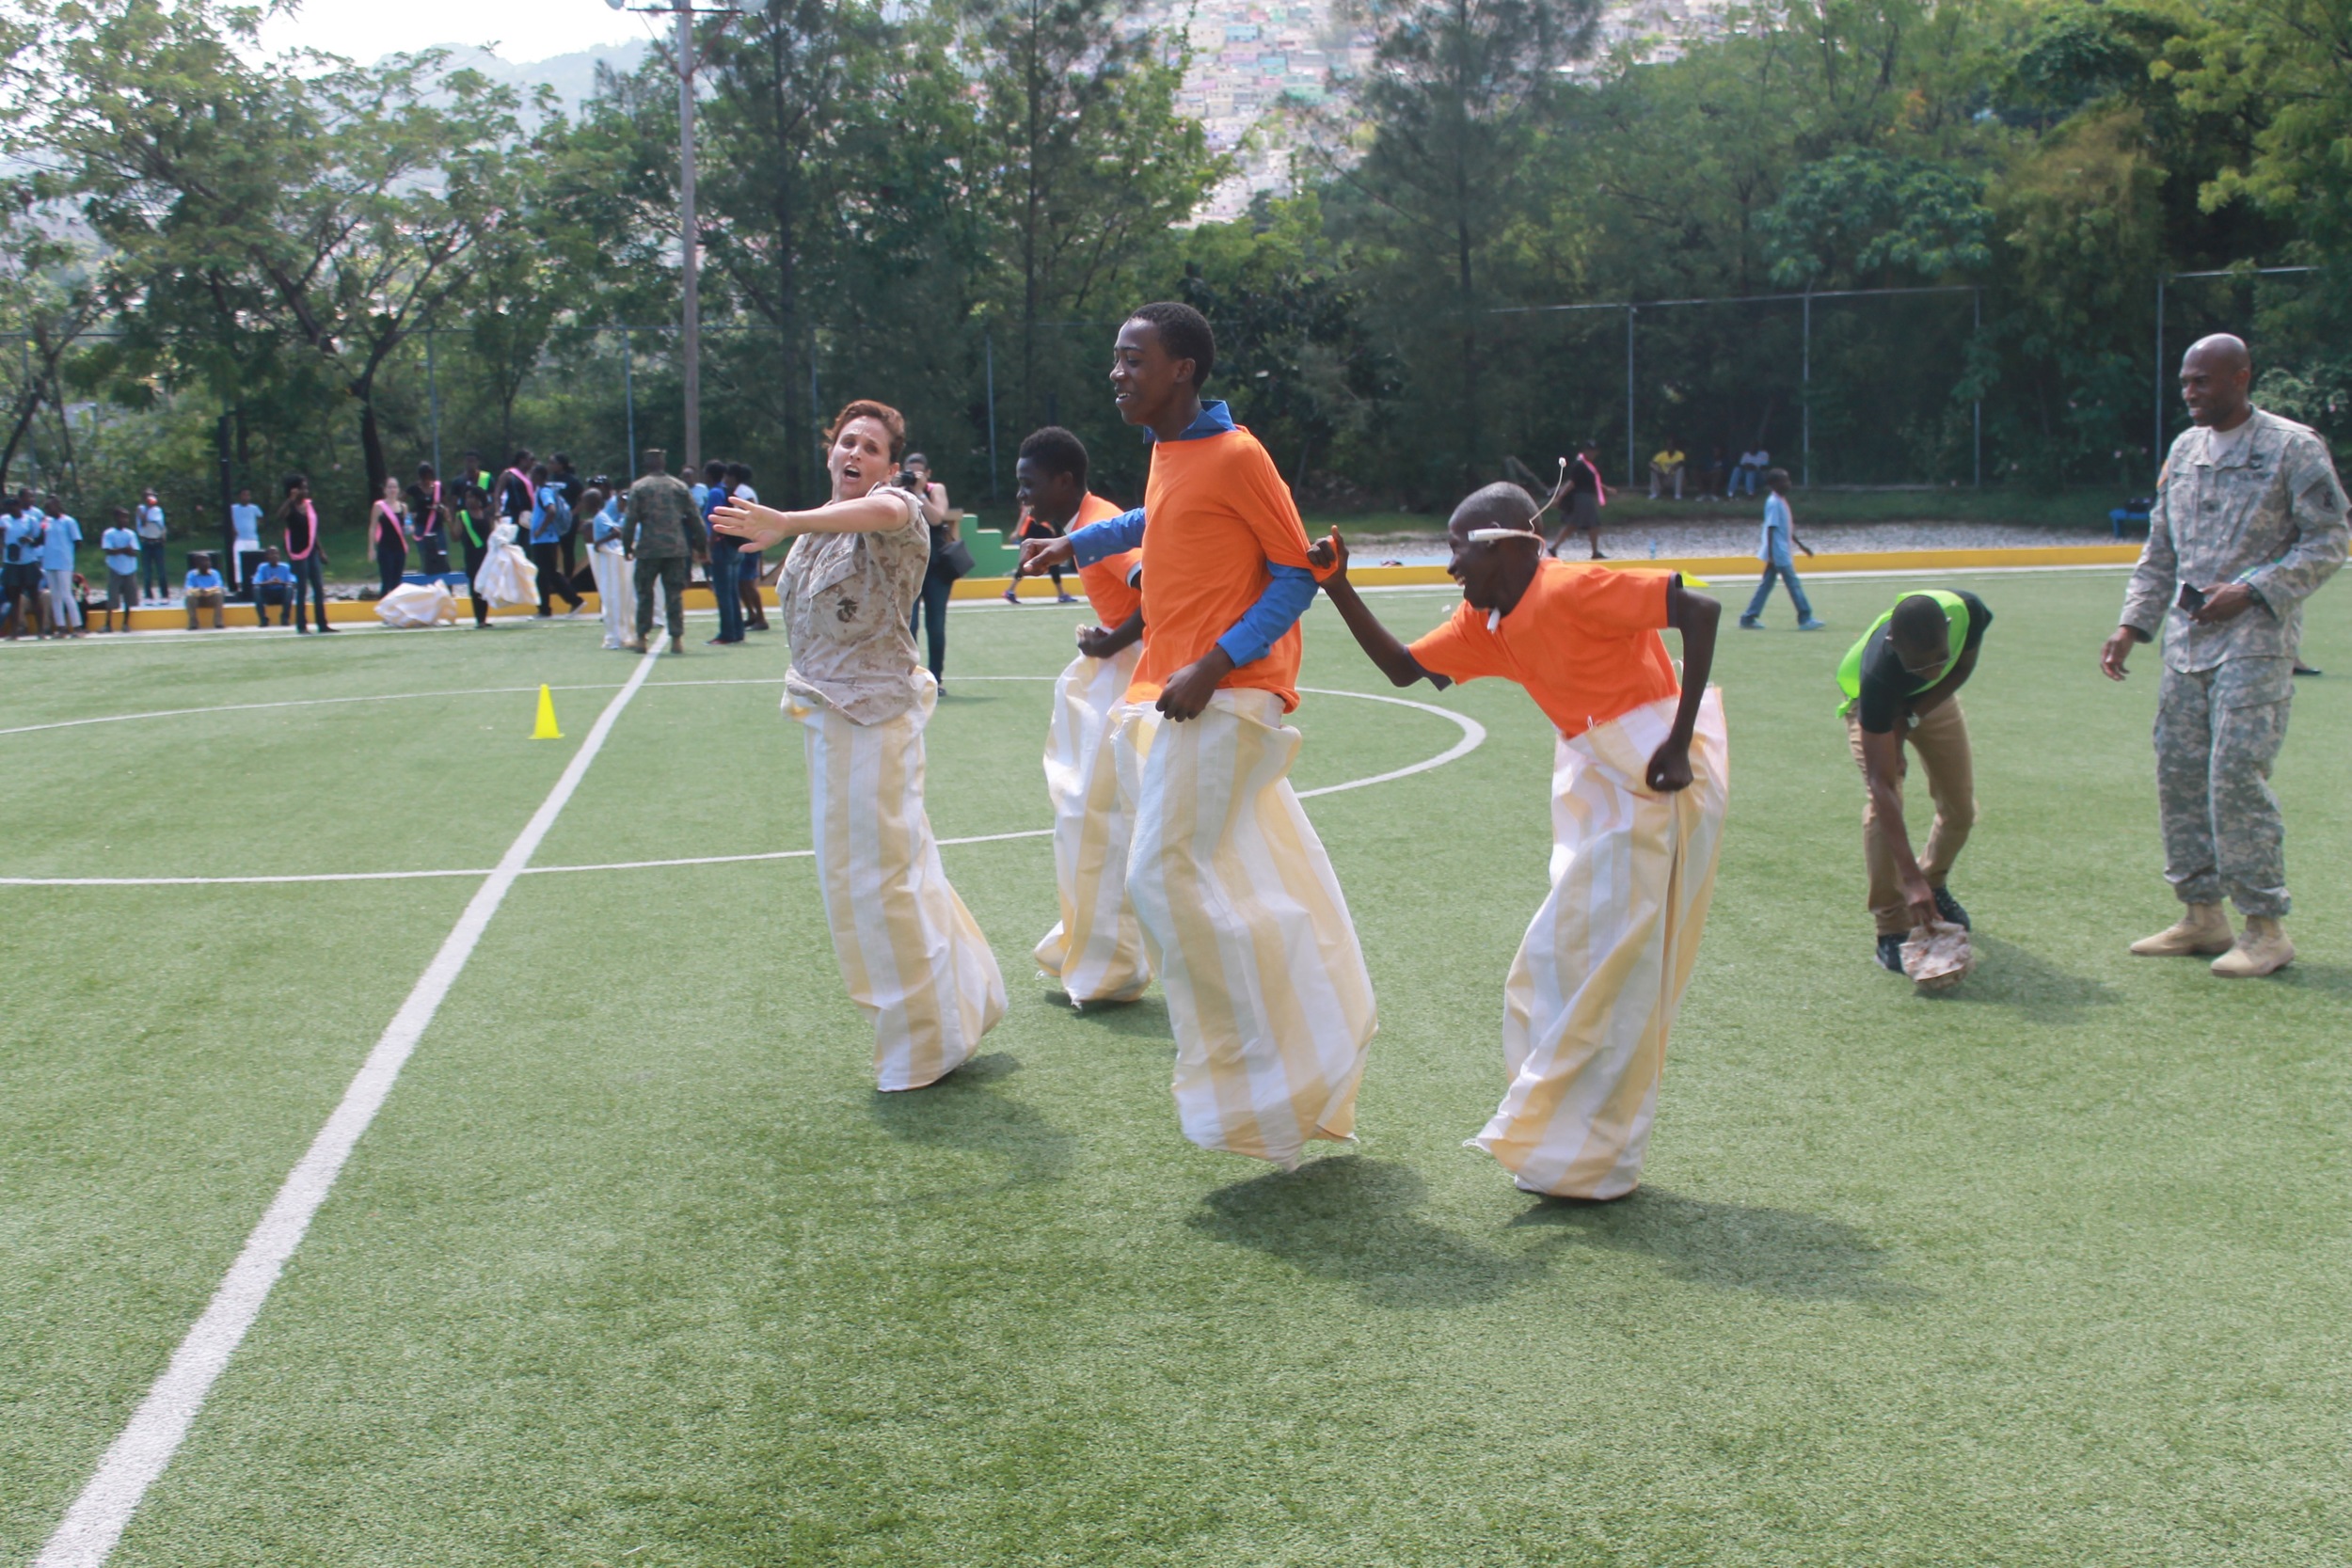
x=689, y=232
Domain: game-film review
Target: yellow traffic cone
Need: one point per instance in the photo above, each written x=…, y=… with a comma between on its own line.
x=544, y=729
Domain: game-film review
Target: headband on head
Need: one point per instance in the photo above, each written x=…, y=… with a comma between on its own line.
x=1488, y=536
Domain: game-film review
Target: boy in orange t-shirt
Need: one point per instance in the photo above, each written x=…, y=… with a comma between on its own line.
x=1243, y=919
x=1096, y=948
x=1639, y=786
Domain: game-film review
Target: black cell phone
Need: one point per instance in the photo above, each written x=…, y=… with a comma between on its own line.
x=2192, y=598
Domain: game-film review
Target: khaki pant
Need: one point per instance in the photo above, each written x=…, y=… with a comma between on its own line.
x=203, y=598
x=1941, y=738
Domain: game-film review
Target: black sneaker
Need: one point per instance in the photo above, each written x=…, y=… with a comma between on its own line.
x=1948, y=907
x=1891, y=950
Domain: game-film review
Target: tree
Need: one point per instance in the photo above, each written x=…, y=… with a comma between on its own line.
x=1453, y=98
x=338, y=210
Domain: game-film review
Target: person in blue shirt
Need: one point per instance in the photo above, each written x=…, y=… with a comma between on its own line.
x=724, y=588
x=121, y=545
x=204, y=589
x=22, y=534
x=273, y=584
x=1780, y=531
x=550, y=524
x=56, y=565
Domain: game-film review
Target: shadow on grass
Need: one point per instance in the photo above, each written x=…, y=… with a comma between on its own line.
x=1349, y=1218
x=1145, y=1018
x=2325, y=979
x=1734, y=1246
x=965, y=1110
x=2008, y=976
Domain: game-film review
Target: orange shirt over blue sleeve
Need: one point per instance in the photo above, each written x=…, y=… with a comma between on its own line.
x=1105, y=579
x=1582, y=640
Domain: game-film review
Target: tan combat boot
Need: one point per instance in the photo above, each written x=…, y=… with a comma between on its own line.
x=2203, y=929
x=2264, y=949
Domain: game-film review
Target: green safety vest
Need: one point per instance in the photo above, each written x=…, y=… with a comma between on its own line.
x=1956, y=638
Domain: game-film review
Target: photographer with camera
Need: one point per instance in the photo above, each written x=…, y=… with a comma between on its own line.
x=951, y=559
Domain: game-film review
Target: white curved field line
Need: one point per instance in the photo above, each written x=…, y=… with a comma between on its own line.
x=88, y=1534
x=1473, y=736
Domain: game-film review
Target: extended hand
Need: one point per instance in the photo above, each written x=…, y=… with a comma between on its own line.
x=1920, y=897
x=1670, y=767
x=761, y=525
x=2118, y=648
x=1095, y=641
x=1189, y=689
x=2225, y=603
x=1328, y=557
x=1040, y=556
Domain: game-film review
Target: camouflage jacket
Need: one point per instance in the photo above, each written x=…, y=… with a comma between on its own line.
x=661, y=520
x=2271, y=516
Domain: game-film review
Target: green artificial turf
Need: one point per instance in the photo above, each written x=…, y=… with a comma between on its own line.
x=636, y=1268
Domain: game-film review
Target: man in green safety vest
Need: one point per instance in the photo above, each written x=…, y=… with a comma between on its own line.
x=1901, y=683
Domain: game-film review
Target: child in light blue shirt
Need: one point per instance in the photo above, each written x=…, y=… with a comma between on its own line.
x=1780, y=531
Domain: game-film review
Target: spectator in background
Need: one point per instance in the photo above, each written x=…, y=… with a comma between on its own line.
x=121, y=544
x=428, y=519
x=273, y=584
x=663, y=533
x=387, y=535
x=56, y=564
x=1665, y=469
x=1753, y=467
x=305, y=551
x=608, y=557
x=244, y=528
x=1581, y=507
x=567, y=478
x=1780, y=531
x=931, y=607
x=749, y=563
x=470, y=524
x=151, y=531
x=515, y=496
x=470, y=472
x=20, y=587
x=550, y=520
x=725, y=587
x=1717, y=479
x=204, y=591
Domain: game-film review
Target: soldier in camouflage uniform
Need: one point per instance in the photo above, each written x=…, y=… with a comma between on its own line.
x=2248, y=521
x=662, y=532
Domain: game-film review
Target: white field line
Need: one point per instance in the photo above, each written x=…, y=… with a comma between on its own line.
x=95, y=1522
x=1473, y=736
x=1451, y=591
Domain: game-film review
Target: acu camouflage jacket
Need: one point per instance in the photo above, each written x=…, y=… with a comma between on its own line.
x=2272, y=517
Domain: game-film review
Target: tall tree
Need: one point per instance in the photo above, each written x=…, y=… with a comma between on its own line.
x=337, y=206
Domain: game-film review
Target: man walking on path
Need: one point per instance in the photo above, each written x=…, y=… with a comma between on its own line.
x=662, y=532
x=1780, y=531
x=1901, y=683
x=2248, y=521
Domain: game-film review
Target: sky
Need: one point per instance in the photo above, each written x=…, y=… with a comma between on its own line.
x=523, y=31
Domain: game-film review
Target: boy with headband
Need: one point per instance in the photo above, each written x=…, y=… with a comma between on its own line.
x=1639, y=787
x=1095, y=949
x=1242, y=917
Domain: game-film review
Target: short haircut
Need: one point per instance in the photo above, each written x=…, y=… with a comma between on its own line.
x=294, y=482
x=539, y=472
x=739, y=472
x=1502, y=504
x=715, y=468
x=1776, y=476
x=867, y=408
x=1185, y=333
x=522, y=459
x=1057, y=451
x=1918, y=622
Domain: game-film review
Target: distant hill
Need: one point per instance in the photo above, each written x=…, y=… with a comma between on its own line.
x=573, y=77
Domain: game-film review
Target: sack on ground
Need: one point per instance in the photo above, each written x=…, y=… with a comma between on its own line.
x=418, y=604
x=1937, y=956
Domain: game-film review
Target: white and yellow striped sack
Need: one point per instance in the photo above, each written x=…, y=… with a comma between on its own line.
x=1597, y=981
x=1247, y=930
x=1096, y=948
x=912, y=957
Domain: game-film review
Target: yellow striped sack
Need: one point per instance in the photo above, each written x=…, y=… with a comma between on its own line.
x=1247, y=929
x=1594, y=988
x=1096, y=948
x=913, y=960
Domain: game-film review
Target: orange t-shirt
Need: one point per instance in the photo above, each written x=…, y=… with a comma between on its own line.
x=1218, y=514
x=1584, y=641
x=1105, y=581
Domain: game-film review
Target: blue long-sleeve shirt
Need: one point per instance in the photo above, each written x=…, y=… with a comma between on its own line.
x=1276, y=609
